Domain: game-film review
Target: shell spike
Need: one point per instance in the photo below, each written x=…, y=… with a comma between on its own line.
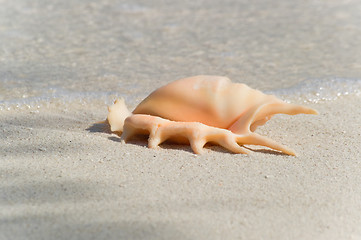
x=306, y=110
x=259, y=115
x=117, y=115
x=231, y=144
x=287, y=108
x=243, y=124
x=197, y=145
x=256, y=139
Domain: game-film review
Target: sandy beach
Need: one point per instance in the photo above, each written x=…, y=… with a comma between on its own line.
x=64, y=176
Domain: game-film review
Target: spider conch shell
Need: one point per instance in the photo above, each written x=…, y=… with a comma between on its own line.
x=203, y=109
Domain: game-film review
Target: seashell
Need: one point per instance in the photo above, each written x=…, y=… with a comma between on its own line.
x=202, y=109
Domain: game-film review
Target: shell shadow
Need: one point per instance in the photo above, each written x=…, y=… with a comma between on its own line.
x=141, y=140
x=115, y=139
x=267, y=151
x=103, y=127
x=66, y=226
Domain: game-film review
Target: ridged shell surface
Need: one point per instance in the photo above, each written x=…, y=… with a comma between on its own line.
x=211, y=100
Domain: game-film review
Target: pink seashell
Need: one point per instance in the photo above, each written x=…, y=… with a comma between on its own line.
x=203, y=109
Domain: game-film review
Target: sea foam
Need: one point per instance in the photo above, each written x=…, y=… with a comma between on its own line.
x=312, y=90
x=318, y=90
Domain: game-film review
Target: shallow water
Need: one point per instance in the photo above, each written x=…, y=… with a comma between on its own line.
x=55, y=53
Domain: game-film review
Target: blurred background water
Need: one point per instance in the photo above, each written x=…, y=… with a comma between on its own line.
x=94, y=51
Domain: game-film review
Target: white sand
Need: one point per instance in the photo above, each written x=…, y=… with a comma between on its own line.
x=62, y=177
x=61, y=181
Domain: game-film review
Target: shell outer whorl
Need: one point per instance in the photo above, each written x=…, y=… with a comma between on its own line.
x=211, y=100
